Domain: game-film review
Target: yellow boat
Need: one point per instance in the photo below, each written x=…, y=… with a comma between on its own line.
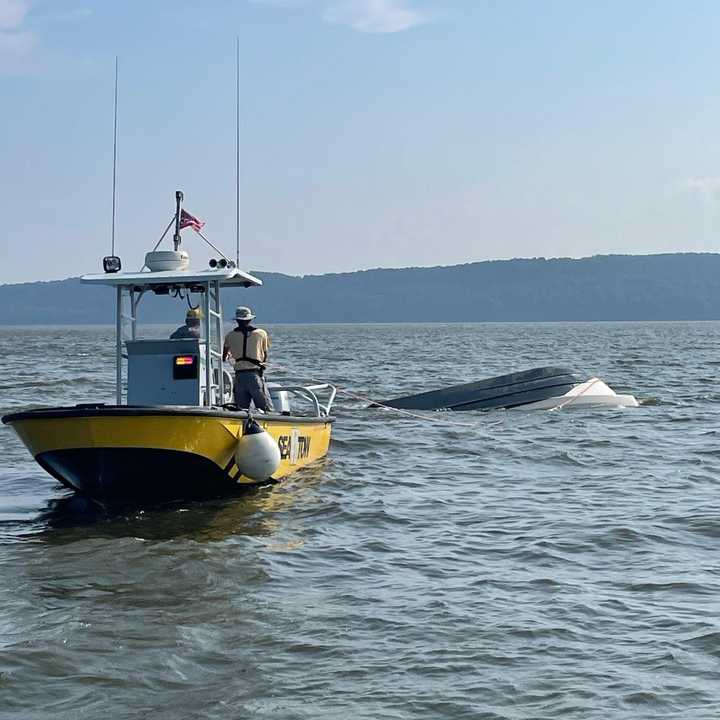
x=173, y=430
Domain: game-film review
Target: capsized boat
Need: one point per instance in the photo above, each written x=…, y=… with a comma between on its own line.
x=173, y=431
x=542, y=388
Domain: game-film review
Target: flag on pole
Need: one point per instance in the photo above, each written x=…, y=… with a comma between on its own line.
x=188, y=220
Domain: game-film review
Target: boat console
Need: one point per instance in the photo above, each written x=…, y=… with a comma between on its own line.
x=165, y=372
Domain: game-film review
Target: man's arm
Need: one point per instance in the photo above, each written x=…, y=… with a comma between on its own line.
x=267, y=345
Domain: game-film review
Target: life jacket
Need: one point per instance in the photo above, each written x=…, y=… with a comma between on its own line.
x=246, y=332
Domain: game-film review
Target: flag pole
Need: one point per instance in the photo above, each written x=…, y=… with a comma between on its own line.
x=178, y=200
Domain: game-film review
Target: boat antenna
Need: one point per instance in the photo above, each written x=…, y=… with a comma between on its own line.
x=237, y=151
x=178, y=202
x=114, y=182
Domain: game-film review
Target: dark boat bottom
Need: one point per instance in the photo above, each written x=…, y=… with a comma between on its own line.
x=136, y=473
x=505, y=391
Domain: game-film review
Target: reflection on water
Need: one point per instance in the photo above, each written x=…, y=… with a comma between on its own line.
x=249, y=512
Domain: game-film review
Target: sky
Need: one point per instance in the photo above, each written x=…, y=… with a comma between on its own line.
x=374, y=133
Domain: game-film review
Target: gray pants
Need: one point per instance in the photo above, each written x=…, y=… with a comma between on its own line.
x=250, y=385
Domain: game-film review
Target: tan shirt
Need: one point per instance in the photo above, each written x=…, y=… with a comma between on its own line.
x=258, y=344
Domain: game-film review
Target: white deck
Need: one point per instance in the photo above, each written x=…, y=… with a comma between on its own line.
x=226, y=277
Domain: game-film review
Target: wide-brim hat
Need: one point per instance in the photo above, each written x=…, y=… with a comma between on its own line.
x=243, y=313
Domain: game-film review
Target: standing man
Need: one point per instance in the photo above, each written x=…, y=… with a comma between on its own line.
x=248, y=346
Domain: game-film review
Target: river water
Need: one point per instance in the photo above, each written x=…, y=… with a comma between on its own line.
x=534, y=565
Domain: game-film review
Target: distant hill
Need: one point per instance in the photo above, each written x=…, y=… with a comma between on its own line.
x=681, y=286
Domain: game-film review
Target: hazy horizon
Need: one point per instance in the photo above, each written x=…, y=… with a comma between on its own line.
x=267, y=271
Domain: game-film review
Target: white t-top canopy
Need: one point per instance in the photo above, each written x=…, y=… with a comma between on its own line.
x=178, y=278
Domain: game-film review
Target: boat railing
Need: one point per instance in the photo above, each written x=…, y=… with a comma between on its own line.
x=310, y=392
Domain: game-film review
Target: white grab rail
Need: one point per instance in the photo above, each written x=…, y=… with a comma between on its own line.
x=309, y=392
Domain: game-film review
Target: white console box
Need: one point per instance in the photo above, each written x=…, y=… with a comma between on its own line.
x=160, y=372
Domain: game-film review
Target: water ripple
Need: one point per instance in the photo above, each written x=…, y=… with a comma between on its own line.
x=536, y=565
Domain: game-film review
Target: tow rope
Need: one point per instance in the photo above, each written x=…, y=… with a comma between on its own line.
x=437, y=417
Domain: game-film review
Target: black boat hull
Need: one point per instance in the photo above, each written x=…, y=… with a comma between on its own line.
x=505, y=391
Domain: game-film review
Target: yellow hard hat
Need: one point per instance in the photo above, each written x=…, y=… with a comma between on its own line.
x=194, y=314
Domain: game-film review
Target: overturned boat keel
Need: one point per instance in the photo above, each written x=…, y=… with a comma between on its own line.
x=543, y=388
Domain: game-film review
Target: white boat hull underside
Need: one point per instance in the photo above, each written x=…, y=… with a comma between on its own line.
x=593, y=393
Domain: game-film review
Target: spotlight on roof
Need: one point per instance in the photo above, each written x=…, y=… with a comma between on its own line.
x=112, y=264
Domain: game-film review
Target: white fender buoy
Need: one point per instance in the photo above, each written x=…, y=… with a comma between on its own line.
x=257, y=455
